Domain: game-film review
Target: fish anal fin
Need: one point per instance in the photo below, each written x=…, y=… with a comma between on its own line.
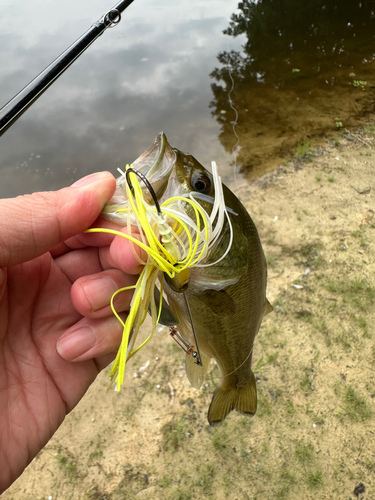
x=194, y=372
x=219, y=302
x=242, y=399
x=267, y=307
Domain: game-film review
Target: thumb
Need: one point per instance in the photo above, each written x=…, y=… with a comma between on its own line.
x=31, y=225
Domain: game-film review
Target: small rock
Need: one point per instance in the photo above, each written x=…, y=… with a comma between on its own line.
x=190, y=402
x=359, y=489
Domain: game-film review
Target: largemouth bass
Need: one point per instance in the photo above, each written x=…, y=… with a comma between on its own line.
x=218, y=308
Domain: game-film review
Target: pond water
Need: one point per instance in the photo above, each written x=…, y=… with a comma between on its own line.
x=150, y=73
x=293, y=72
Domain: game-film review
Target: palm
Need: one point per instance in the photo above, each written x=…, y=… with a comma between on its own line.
x=40, y=387
x=46, y=298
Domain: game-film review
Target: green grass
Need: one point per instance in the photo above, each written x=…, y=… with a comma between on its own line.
x=220, y=438
x=359, y=84
x=360, y=235
x=271, y=359
x=346, y=339
x=290, y=408
x=315, y=479
x=165, y=481
x=68, y=464
x=355, y=405
x=356, y=292
x=369, y=129
x=311, y=255
x=303, y=452
x=362, y=324
x=98, y=449
x=305, y=383
x=181, y=495
x=303, y=150
x=338, y=123
x=264, y=407
x=173, y=433
x=205, y=477
x=279, y=306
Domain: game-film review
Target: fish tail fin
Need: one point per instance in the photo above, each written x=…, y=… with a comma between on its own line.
x=242, y=399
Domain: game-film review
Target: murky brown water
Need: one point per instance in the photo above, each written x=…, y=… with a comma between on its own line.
x=298, y=72
x=306, y=71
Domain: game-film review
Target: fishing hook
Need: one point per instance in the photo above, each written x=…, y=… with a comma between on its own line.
x=147, y=184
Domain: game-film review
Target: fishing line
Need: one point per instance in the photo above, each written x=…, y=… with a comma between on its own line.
x=238, y=367
x=234, y=124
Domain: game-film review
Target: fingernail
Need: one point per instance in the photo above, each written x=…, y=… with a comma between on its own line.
x=73, y=344
x=89, y=179
x=99, y=292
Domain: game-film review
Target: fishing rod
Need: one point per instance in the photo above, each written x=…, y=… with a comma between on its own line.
x=29, y=94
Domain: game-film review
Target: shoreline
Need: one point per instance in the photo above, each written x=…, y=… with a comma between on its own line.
x=312, y=436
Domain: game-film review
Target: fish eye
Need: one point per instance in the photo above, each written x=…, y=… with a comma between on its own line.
x=200, y=182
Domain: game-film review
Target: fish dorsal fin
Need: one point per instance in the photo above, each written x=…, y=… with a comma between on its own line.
x=267, y=308
x=219, y=302
x=194, y=372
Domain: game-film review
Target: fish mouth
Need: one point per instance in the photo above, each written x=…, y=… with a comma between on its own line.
x=157, y=163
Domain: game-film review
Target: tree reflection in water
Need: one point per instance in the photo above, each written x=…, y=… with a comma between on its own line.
x=306, y=70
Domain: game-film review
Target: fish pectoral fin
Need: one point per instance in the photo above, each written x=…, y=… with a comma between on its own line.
x=267, y=308
x=219, y=302
x=242, y=399
x=166, y=316
x=194, y=372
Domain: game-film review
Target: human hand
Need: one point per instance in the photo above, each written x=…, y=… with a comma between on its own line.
x=57, y=331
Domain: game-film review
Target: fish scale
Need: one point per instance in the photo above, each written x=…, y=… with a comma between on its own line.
x=223, y=334
x=225, y=297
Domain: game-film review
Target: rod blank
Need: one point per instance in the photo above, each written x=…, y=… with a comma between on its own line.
x=29, y=94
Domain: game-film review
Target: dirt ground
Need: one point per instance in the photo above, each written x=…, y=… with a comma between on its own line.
x=313, y=436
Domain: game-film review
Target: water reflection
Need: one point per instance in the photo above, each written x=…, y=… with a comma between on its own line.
x=146, y=75
x=306, y=70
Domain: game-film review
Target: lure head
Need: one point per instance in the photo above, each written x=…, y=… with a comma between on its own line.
x=180, y=282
